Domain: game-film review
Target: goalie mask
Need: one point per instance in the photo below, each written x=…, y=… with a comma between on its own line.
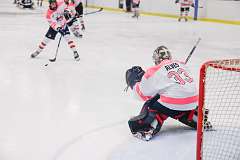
x=160, y=54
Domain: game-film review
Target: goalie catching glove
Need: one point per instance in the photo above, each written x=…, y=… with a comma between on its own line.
x=133, y=75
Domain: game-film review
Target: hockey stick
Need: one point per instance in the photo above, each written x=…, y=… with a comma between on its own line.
x=193, y=49
x=54, y=59
x=99, y=10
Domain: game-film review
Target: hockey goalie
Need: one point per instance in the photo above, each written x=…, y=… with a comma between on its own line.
x=168, y=90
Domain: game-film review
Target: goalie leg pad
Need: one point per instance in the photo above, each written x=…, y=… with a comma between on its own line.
x=145, y=131
x=138, y=123
x=188, y=118
x=146, y=120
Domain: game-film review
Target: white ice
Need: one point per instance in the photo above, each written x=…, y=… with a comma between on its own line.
x=72, y=110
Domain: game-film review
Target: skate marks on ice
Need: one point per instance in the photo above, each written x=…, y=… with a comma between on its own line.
x=181, y=139
x=92, y=140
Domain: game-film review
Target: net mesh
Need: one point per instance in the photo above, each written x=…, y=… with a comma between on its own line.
x=222, y=98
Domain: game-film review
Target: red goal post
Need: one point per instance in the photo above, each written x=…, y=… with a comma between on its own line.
x=219, y=92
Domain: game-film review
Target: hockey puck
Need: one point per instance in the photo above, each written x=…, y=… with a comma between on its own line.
x=46, y=64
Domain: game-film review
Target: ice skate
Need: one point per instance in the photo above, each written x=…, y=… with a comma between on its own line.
x=137, y=15
x=76, y=56
x=35, y=54
x=207, y=125
x=134, y=15
x=144, y=135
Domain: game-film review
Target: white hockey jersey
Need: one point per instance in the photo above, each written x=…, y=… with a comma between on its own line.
x=173, y=81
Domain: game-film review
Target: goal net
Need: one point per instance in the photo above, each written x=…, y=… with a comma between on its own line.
x=219, y=92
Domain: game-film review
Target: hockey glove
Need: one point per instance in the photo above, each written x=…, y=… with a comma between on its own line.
x=134, y=75
x=60, y=30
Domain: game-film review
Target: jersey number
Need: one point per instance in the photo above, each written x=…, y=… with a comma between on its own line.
x=180, y=76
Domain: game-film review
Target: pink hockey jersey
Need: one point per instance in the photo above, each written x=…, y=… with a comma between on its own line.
x=173, y=81
x=55, y=18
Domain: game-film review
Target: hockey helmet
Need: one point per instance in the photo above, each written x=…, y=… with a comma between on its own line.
x=67, y=2
x=52, y=1
x=160, y=54
x=52, y=4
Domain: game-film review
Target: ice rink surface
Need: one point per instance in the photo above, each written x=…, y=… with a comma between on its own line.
x=72, y=110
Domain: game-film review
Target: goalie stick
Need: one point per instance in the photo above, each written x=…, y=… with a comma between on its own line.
x=99, y=10
x=193, y=49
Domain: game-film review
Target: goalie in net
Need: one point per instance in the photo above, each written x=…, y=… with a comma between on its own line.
x=168, y=90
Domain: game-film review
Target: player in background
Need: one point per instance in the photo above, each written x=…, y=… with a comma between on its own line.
x=24, y=3
x=128, y=5
x=184, y=8
x=39, y=3
x=57, y=24
x=168, y=90
x=74, y=12
x=135, y=6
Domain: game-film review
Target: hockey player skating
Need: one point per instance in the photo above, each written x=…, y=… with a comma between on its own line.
x=57, y=24
x=74, y=12
x=135, y=6
x=184, y=8
x=168, y=90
